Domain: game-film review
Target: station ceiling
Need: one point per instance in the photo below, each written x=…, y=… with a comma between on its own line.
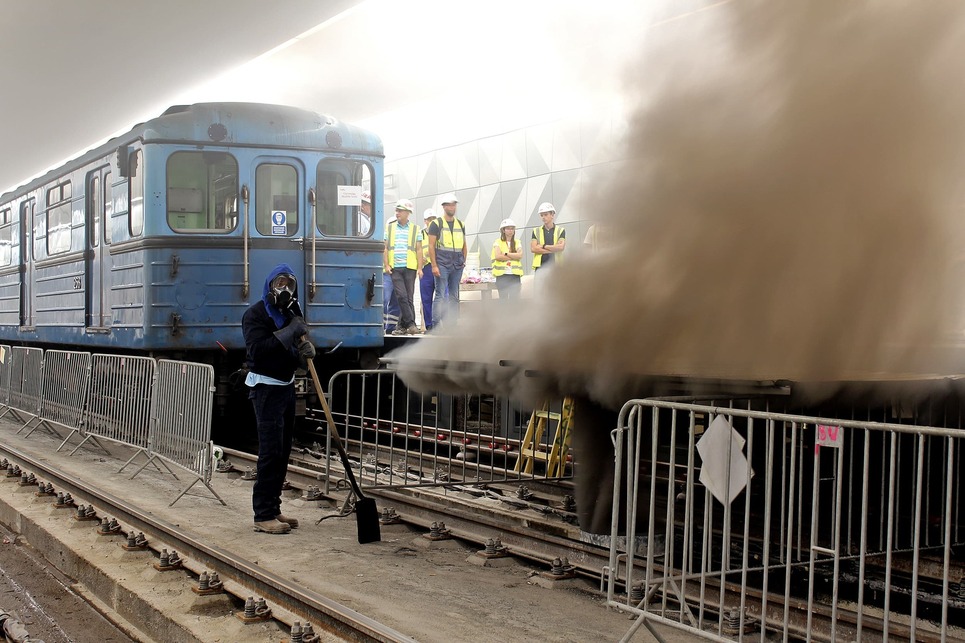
x=75, y=73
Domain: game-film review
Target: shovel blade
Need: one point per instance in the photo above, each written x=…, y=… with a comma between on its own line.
x=367, y=520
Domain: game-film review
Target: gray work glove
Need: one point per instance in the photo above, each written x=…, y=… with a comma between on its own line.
x=306, y=350
x=290, y=333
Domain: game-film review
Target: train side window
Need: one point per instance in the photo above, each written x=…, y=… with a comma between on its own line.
x=202, y=192
x=6, y=237
x=135, y=212
x=58, y=219
x=95, y=207
x=276, y=190
x=108, y=208
x=333, y=219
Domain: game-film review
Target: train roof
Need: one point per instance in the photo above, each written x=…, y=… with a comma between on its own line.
x=228, y=124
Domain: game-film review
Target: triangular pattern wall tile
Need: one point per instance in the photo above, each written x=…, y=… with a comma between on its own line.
x=539, y=149
x=513, y=199
x=566, y=146
x=490, y=160
x=514, y=156
x=467, y=166
x=446, y=168
x=468, y=208
x=566, y=191
x=404, y=179
x=490, y=202
x=538, y=190
x=596, y=142
x=428, y=179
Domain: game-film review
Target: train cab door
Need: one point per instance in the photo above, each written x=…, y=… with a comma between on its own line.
x=277, y=222
x=97, y=204
x=27, y=211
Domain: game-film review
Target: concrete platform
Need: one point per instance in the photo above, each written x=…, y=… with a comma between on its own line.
x=428, y=593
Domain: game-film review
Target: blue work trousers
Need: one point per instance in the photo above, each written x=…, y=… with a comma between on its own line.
x=275, y=414
x=427, y=288
x=446, y=305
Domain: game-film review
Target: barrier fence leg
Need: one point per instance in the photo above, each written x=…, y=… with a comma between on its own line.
x=196, y=481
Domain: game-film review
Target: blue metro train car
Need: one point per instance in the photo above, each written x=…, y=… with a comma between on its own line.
x=157, y=241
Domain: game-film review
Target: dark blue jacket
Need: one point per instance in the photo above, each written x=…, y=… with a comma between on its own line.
x=266, y=354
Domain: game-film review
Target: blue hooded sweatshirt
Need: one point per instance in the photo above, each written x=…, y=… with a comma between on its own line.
x=266, y=355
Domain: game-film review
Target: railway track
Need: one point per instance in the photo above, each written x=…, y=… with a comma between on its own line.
x=309, y=605
x=543, y=537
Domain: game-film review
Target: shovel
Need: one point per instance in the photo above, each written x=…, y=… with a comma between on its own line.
x=366, y=514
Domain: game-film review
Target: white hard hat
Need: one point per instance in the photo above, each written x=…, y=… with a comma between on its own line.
x=507, y=223
x=404, y=204
x=546, y=207
x=428, y=213
x=366, y=198
x=449, y=198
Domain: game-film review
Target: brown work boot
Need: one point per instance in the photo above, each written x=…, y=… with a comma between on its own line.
x=272, y=527
x=291, y=522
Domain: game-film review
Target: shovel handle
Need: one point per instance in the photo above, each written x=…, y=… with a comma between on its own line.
x=323, y=400
x=333, y=429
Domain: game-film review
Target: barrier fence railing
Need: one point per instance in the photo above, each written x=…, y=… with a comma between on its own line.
x=65, y=378
x=119, y=402
x=5, y=358
x=181, y=406
x=26, y=383
x=401, y=438
x=756, y=523
x=162, y=410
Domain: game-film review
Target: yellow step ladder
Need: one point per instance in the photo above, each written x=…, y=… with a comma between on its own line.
x=529, y=448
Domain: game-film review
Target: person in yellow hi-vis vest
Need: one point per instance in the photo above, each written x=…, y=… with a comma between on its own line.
x=447, y=252
x=427, y=282
x=507, y=261
x=403, y=260
x=548, y=240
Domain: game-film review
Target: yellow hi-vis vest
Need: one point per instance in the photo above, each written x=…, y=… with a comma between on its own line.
x=500, y=268
x=541, y=240
x=453, y=239
x=410, y=258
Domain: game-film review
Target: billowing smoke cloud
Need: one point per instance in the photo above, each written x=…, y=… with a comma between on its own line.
x=789, y=209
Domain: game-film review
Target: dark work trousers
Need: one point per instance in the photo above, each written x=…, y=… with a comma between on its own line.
x=508, y=286
x=275, y=414
x=427, y=288
x=403, y=285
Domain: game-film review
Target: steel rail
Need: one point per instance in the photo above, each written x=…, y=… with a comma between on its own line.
x=318, y=609
x=478, y=524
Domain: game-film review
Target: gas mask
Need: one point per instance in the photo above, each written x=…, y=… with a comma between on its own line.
x=282, y=293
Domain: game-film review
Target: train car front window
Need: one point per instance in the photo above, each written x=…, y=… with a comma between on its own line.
x=333, y=219
x=202, y=192
x=276, y=191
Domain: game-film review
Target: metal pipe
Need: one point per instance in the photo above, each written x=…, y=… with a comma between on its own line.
x=314, y=223
x=244, y=234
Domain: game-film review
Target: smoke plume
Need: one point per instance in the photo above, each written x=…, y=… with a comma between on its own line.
x=788, y=209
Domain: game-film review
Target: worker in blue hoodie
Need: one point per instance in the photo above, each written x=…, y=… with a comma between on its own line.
x=277, y=344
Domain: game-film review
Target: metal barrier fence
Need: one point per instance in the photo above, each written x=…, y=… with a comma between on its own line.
x=161, y=408
x=119, y=401
x=5, y=358
x=755, y=524
x=65, y=377
x=26, y=383
x=437, y=439
x=182, y=400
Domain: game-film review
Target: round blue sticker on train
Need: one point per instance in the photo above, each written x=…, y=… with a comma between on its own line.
x=279, y=220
